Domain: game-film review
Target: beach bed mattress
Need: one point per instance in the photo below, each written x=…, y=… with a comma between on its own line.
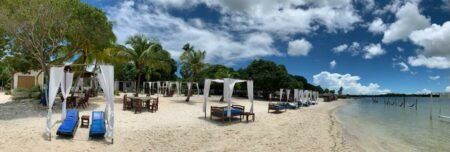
x=70, y=124
x=98, y=127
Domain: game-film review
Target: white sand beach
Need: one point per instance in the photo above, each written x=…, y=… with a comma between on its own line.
x=179, y=126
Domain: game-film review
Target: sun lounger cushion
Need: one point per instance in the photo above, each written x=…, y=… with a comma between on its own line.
x=225, y=112
x=69, y=124
x=98, y=128
x=279, y=107
x=233, y=111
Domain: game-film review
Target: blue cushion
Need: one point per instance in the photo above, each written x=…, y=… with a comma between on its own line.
x=69, y=124
x=98, y=128
x=98, y=115
x=279, y=107
x=233, y=111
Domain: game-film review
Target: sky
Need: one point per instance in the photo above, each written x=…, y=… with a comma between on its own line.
x=365, y=46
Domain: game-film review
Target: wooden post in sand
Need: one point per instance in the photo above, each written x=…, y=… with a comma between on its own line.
x=431, y=109
x=416, y=105
x=404, y=103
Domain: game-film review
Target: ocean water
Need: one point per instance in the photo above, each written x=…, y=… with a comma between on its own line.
x=381, y=127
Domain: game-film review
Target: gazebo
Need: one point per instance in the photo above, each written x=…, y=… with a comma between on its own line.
x=228, y=92
x=60, y=78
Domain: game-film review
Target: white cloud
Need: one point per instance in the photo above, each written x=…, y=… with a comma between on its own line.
x=340, y=48
x=446, y=4
x=222, y=47
x=354, y=48
x=350, y=83
x=403, y=67
x=287, y=17
x=423, y=91
x=333, y=64
x=377, y=26
x=435, y=39
x=447, y=89
x=409, y=19
x=434, y=77
x=373, y=50
x=399, y=49
x=299, y=47
x=434, y=62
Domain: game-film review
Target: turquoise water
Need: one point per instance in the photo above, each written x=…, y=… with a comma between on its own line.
x=381, y=127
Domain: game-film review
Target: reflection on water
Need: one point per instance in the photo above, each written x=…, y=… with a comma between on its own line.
x=381, y=127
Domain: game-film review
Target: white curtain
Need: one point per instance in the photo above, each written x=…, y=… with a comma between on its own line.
x=295, y=95
x=158, y=84
x=169, y=86
x=189, y=85
x=177, y=84
x=206, y=94
x=106, y=79
x=198, y=89
x=288, y=92
x=150, y=84
x=65, y=91
x=302, y=95
x=281, y=94
x=56, y=75
x=250, y=93
x=229, y=84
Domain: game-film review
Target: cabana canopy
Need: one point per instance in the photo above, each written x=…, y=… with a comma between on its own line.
x=227, y=92
x=61, y=79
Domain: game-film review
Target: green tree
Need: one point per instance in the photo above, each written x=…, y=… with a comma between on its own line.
x=268, y=76
x=145, y=54
x=192, y=63
x=164, y=75
x=53, y=31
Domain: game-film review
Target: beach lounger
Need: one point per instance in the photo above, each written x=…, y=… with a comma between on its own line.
x=69, y=125
x=222, y=112
x=292, y=105
x=277, y=107
x=98, y=128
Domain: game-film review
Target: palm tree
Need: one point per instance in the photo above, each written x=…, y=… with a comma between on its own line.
x=144, y=53
x=192, y=63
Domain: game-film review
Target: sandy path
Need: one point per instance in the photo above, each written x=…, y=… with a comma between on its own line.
x=179, y=126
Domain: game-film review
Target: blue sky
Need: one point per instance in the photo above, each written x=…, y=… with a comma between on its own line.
x=366, y=46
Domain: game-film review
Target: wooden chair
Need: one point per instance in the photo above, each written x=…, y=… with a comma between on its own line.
x=221, y=112
x=127, y=104
x=83, y=101
x=153, y=107
x=137, y=104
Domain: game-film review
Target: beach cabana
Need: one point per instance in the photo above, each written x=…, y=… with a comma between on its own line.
x=277, y=106
x=60, y=78
x=227, y=93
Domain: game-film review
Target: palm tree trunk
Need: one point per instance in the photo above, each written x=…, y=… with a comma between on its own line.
x=188, y=95
x=137, y=83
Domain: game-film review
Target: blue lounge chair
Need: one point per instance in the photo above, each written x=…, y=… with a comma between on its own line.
x=69, y=125
x=222, y=112
x=98, y=128
x=278, y=107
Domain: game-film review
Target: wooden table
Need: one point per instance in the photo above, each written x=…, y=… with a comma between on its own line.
x=246, y=114
x=139, y=101
x=84, y=121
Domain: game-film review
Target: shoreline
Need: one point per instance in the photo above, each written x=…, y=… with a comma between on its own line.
x=341, y=139
x=342, y=136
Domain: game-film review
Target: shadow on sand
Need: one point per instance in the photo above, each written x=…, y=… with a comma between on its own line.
x=27, y=109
